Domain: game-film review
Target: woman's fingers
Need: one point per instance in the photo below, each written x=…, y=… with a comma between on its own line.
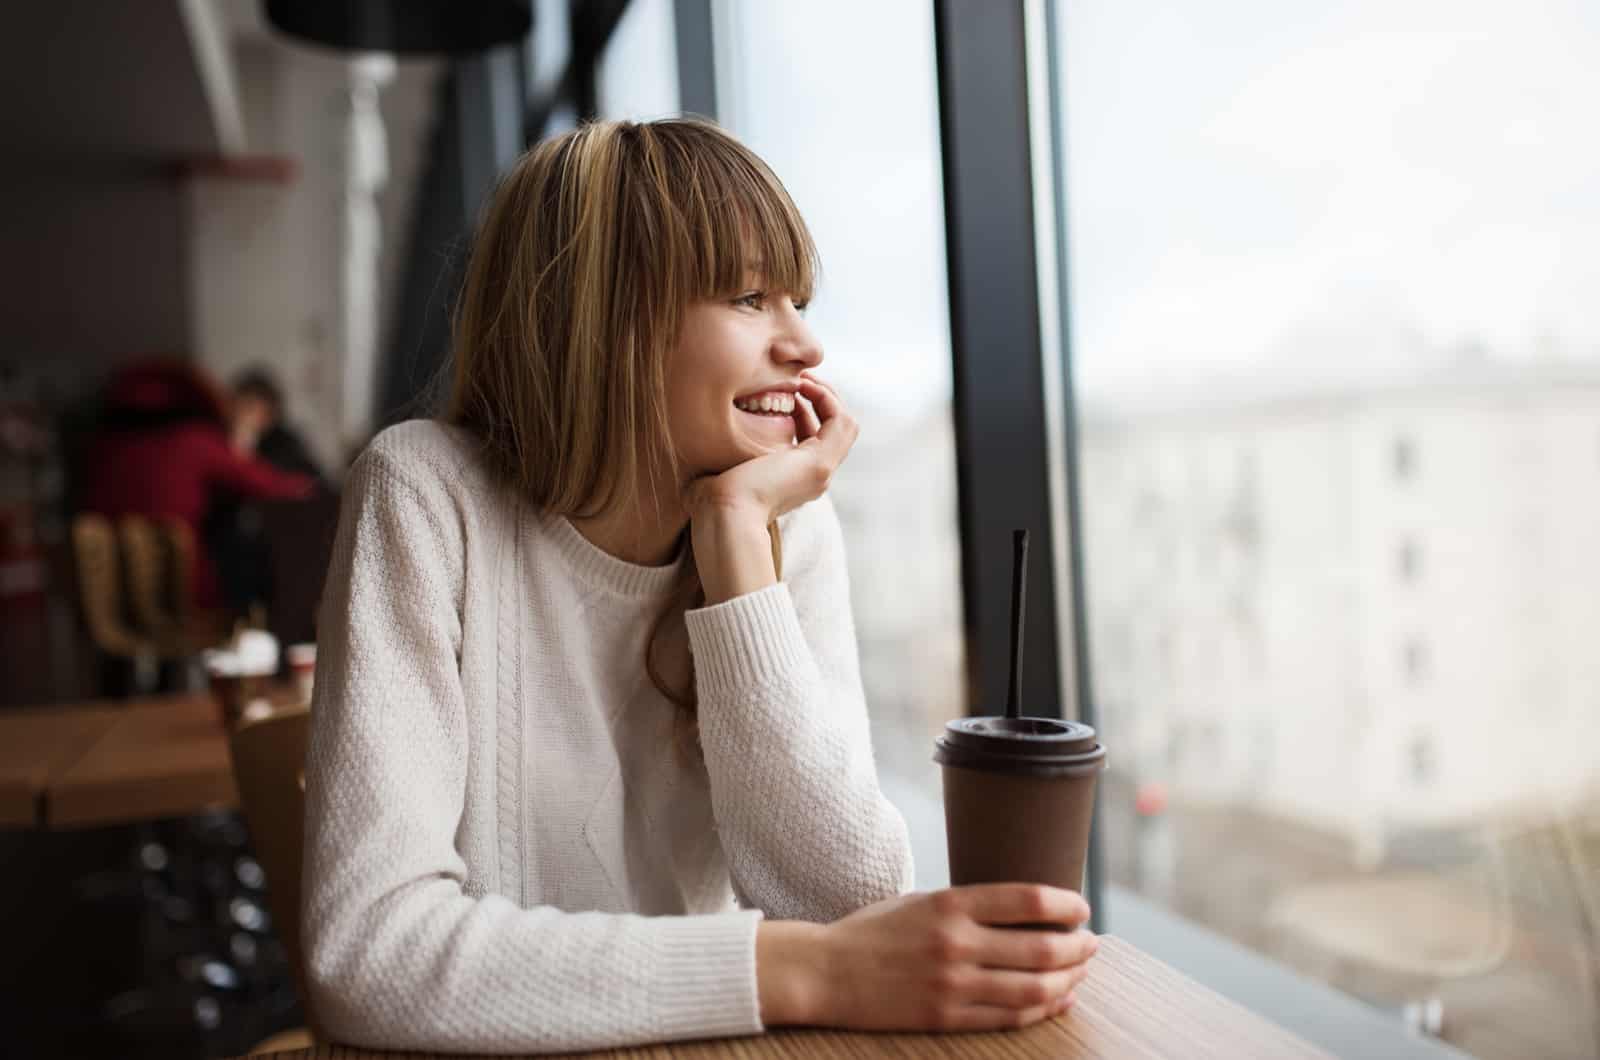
x=837, y=429
x=1023, y=989
x=1035, y=950
x=806, y=423
x=1021, y=903
x=995, y=1017
x=822, y=395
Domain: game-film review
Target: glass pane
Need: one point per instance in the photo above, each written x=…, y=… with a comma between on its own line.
x=839, y=98
x=637, y=76
x=1337, y=350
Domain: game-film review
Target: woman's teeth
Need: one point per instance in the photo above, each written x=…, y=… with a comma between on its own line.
x=776, y=404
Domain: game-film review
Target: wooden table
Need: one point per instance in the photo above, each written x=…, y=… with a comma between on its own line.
x=165, y=757
x=36, y=744
x=1131, y=1007
x=112, y=762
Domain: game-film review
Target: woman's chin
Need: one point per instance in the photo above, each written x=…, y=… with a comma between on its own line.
x=752, y=446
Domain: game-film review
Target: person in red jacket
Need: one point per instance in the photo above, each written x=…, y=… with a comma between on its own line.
x=163, y=451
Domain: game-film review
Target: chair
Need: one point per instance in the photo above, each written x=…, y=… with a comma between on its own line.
x=99, y=575
x=144, y=552
x=299, y=537
x=179, y=540
x=203, y=628
x=268, y=762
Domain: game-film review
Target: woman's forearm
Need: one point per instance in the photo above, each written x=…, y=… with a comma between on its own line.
x=733, y=552
x=791, y=977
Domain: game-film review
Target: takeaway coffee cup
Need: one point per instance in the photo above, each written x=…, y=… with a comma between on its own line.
x=241, y=674
x=303, y=665
x=1018, y=799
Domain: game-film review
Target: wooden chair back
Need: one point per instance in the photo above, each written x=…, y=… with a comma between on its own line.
x=180, y=544
x=94, y=548
x=269, y=769
x=299, y=537
x=145, y=555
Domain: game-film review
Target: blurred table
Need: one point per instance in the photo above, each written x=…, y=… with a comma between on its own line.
x=1131, y=1007
x=36, y=743
x=161, y=756
x=115, y=761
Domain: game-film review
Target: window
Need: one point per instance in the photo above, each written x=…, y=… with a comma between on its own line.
x=1343, y=235
x=1421, y=761
x=1408, y=561
x=637, y=76
x=1404, y=459
x=839, y=98
x=1414, y=659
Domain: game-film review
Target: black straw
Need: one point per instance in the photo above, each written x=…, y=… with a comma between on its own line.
x=1019, y=604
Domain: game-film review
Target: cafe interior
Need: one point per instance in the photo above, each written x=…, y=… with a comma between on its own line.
x=1141, y=282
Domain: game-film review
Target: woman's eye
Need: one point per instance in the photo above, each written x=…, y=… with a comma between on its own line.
x=753, y=299
x=800, y=307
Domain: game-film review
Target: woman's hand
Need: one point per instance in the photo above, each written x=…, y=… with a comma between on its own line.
x=729, y=512
x=781, y=481
x=943, y=961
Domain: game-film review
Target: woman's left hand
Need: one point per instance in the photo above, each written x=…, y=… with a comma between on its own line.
x=729, y=513
x=779, y=482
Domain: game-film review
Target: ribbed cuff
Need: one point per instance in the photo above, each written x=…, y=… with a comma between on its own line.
x=707, y=982
x=752, y=638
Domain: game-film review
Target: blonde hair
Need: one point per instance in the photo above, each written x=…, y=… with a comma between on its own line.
x=587, y=254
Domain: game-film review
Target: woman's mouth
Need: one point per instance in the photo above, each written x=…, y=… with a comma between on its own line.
x=772, y=403
x=771, y=413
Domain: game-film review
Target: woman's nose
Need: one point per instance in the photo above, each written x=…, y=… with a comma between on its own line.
x=799, y=345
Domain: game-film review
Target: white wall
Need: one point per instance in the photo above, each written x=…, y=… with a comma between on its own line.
x=266, y=257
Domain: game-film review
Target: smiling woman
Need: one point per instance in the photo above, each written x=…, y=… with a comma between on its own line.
x=589, y=762
x=706, y=220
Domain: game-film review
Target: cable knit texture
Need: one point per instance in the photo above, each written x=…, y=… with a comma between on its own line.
x=504, y=853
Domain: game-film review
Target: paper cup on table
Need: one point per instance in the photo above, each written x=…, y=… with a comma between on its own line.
x=232, y=684
x=257, y=651
x=255, y=710
x=239, y=675
x=303, y=666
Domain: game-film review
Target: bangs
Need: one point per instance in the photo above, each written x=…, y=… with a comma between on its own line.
x=735, y=217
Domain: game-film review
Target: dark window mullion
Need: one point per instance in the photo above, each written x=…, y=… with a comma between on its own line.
x=1001, y=425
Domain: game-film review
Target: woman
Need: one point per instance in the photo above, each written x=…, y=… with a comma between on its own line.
x=590, y=764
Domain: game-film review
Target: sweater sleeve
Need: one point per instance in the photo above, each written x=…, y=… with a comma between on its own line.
x=783, y=722
x=398, y=953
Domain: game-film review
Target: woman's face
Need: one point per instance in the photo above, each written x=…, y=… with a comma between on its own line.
x=747, y=350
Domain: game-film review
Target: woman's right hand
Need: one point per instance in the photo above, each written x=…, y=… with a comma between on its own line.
x=940, y=961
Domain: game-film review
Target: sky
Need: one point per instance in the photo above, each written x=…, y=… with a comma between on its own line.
x=1322, y=190
x=1257, y=188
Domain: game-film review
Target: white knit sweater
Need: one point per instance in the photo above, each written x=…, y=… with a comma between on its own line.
x=504, y=853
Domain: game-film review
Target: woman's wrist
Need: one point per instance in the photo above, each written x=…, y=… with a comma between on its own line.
x=732, y=551
x=791, y=979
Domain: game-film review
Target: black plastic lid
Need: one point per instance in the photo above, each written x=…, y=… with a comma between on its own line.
x=1033, y=746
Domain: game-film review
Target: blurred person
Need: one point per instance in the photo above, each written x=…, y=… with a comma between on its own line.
x=161, y=449
x=258, y=424
x=589, y=761
x=235, y=528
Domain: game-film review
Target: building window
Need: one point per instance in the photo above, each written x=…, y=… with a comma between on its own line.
x=1422, y=764
x=1408, y=561
x=1414, y=659
x=1405, y=459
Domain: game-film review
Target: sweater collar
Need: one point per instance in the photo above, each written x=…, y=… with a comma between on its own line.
x=602, y=570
